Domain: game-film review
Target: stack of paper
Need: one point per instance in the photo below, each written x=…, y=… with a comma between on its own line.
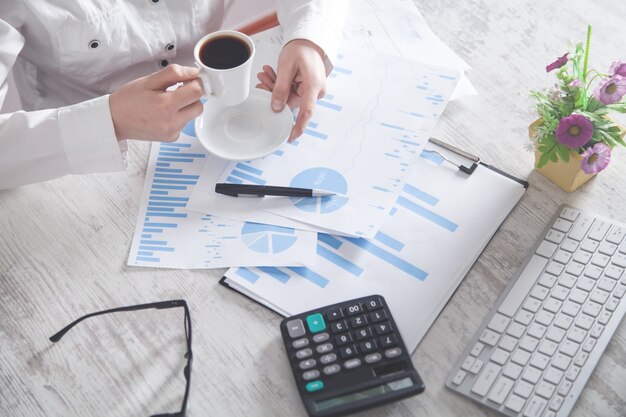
x=395, y=227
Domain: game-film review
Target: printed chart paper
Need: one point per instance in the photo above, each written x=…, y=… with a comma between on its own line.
x=384, y=126
x=440, y=223
x=167, y=235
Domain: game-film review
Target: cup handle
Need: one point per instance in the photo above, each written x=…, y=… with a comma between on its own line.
x=206, y=82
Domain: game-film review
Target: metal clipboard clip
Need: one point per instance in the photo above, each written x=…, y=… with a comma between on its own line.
x=464, y=169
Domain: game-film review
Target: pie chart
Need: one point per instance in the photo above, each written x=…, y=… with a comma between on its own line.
x=265, y=238
x=322, y=179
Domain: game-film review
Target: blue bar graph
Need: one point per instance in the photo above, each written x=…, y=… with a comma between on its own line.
x=275, y=273
x=309, y=275
x=173, y=170
x=388, y=257
x=158, y=192
x=248, y=275
x=172, y=225
x=159, y=214
x=179, y=176
x=162, y=158
x=187, y=155
x=147, y=259
x=168, y=187
x=233, y=180
x=432, y=156
x=331, y=241
x=329, y=105
x=340, y=261
x=248, y=168
x=427, y=214
x=156, y=248
x=342, y=70
x=160, y=181
x=178, y=145
x=170, y=209
x=315, y=134
x=392, y=126
x=169, y=198
x=417, y=193
x=387, y=240
x=243, y=175
x=167, y=204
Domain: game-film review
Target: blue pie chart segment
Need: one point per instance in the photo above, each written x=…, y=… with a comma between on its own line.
x=322, y=179
x=190, y=129
x=265, y=238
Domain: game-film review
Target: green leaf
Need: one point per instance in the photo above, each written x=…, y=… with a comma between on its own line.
x=543, y=160
x=563, y=152
x=594, y=105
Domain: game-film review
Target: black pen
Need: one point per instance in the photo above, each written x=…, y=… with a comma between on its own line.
x=235, y=190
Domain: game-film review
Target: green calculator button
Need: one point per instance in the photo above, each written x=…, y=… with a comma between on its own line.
x=316, y=323
x=314, y=386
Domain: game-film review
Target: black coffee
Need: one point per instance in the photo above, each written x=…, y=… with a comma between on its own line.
x=224, y=52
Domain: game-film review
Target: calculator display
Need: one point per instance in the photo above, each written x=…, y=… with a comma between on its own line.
x=364, y=394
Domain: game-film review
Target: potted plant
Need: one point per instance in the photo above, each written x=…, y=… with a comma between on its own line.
x=574, y=135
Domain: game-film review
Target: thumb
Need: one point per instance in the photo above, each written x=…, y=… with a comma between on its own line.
x=171, y=75
x=282, y=88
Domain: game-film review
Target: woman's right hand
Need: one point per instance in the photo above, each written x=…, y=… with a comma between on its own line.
x=142, y=109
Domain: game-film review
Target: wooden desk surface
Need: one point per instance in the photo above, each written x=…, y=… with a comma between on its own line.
x=64, y=245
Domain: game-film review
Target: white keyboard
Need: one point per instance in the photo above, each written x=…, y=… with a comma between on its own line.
x=534, y=352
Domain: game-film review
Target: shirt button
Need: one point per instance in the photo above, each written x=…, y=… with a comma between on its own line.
x=94, y=44
x=164, y=63
x=154, y=1
x=170, y=46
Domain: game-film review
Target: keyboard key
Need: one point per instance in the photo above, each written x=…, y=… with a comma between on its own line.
x=607, y=248
x=552, y=305
x=569, y=348
x=593, y=272
x=561, y=361
x=545, y=389
x=295, y=328
x=619, y=291
x=368, y=346
x=358, y=321
x=564, y=388
x=600, y=260
x=331, y=369
x=616, y=235
x=604, y=317
x=321, y=337
x=498, y=323
x=489, y=337
x=562, y=225
x=606, y=284
x=522, y=285
x=324, y=348
x=556, y=403
x=548, y=347
x=395, y=352
x=596, y=331
x=307, y=364
x=581, y=227
x=373, y=303
x=569, y=245
x=546, y=249
x=378, y=316
x=316, y=323
x=347, y=351
x=555, y=334
x=312, y=374
x=562, y=256
x=528, y=343
x=620, y=260
x=524, y=389
x=582, y=257
x=335, y=314
x=339, y=326
x=544, y=317
x=507, y=343
x=614, y=272
x=486, y=379
x=531, y=375
x=478, y=347
x=563, y=321
x=536, y=330
x=593, y=309
x=555, y=236
x=539, y=292
x=326, y=359
x=535, y=407
x=458, y=378
x=388, y=341
x=540, y=361
x=581, y=358
x=599, y=296
x=532, y=304
x=575, y=268
x=520, y=357
x=588, y=345
x=354, y=309
x=476, y=366
x=612, y=304
x=578, y=296
x=524, y=317
x=512, y=370
x=568, y=280
x=364, y=333
x=553, y=375
x=343, y=339
x=589, y=245
x=577, y=334
x=599, y=229
x=352, y=363
x=300, y=343
x=515, y=403
x=584, y=321
x=548, y=280
x=375, y=357
x=569, y=213
x=571, y=308
x=500, y=356
x=304, y=353
x=500, y=390
x=382, y=328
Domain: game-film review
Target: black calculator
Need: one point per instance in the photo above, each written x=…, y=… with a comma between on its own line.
x=349, y=357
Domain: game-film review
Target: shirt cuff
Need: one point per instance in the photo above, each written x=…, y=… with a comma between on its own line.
x=89, y=139
x=322, y=25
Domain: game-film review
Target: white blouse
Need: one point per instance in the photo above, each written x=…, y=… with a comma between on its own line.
x=67, y=56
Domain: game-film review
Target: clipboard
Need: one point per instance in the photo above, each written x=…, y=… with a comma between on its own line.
x=455, y=210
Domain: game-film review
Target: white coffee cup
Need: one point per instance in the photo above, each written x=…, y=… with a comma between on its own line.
x=224, y=67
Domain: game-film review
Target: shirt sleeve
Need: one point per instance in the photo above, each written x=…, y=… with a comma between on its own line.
x=320, y=21
x=46, y=144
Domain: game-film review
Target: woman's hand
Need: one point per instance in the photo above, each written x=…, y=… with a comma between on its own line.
x=300, y=81
x=143, y=109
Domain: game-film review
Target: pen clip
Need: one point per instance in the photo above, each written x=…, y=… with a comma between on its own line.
x=233, y=190
x=464, y=169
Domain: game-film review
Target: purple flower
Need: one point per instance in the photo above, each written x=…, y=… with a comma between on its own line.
x=611, y=90
x=595, y=158
x=560, y=61
x=618, y=68
x=574, y=131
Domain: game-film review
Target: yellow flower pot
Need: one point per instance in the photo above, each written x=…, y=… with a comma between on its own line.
x=566, y=175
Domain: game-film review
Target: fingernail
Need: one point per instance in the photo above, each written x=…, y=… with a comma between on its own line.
x=277, y=105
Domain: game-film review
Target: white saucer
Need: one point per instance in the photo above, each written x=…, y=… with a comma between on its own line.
x=247, y=131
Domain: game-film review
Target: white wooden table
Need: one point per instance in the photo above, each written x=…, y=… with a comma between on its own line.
x=64, y=245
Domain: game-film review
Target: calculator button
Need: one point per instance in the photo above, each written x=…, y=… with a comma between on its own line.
x=387, y=341
x=383, y=328
x=358, y=321
x=312, y=374
x=325, y=348
x=343, y=339
x=314, y=386
x=377, y=316
x=307, y=364
x=320, y=337
x=373, y=357
x=339, y=326
x=304, y=353
x=368, y=346
x=393, y=352
x=316, y=323
x=326, y=359
x=331, y=369
x=295, y=328
x=300, y=343
x=373, y=304
x=352, y=363
x=347, y=351
x=334, y=314
x=354, y=309
x=364, y=333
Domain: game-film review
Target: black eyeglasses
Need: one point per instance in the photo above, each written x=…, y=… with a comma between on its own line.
x=160, y=305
